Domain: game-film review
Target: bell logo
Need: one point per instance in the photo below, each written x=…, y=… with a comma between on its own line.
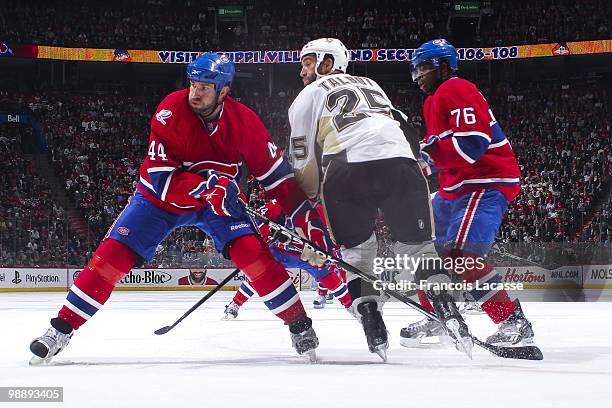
x=16, y=280
x=162, y=115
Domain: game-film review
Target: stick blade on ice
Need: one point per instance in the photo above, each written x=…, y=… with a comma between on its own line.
x=163, y=330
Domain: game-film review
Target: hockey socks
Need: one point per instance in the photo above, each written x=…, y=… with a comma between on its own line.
x=423, y=300
x=92, y=288
x=333, y=282
x=335, y=269
x=321, y=289
x=268, y=277
x=495, y=303
x=244, y=293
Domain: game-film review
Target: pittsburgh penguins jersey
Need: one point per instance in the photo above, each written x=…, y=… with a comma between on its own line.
x=344, y=117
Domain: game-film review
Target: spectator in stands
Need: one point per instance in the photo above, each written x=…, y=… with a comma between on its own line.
x=142, y=24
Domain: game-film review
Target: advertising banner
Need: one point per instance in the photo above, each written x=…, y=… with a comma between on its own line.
x=544, y=284
x=7, y=117
x=33, y=280
x=598, y=277
x=293, y=56
x=539, y=278
x=187, y=279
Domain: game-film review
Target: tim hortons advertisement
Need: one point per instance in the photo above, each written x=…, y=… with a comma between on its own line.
x=539, y=278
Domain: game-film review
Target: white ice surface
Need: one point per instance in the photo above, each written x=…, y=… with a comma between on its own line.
x=115, y=360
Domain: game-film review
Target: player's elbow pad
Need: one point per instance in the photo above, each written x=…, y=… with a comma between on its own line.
x=472, y=147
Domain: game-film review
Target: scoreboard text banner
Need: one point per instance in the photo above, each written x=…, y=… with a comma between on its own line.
x=293, y=56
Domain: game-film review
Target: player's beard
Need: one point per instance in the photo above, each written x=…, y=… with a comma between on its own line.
x=309, y=79
x=429, y=85
x=206, y=112
x=199, y=279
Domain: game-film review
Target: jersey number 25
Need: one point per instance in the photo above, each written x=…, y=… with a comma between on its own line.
x=348, y=99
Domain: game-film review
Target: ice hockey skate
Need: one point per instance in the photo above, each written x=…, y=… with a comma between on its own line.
x=231, y=311
x=516, y=330
x=51, y=343
x=470, y=306
x=303, y=338
x=319, y=302
x=452, y=321
x=426, y=332
x=374, y=328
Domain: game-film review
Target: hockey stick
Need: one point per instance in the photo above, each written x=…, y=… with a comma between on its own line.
x=519, y=352
x=166, y=329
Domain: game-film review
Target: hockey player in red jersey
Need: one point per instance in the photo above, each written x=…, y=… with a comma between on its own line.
x=199, y=138
x=289, y=255
x=478, y=175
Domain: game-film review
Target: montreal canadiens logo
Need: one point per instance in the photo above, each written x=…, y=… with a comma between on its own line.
x=439, y=42
x=162, y=115
x=561, y=49
x=123, y=231
x=224, y=58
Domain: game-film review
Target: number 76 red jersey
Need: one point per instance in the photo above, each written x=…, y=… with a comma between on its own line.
x=468, y=146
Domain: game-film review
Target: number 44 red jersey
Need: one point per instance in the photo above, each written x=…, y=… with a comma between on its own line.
x=183, y=148
x=471, y=150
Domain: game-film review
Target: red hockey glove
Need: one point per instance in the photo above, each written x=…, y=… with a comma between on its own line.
x=224, y=196
x=310, y=226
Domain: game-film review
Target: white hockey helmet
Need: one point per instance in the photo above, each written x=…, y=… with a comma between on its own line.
x=322, y=46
